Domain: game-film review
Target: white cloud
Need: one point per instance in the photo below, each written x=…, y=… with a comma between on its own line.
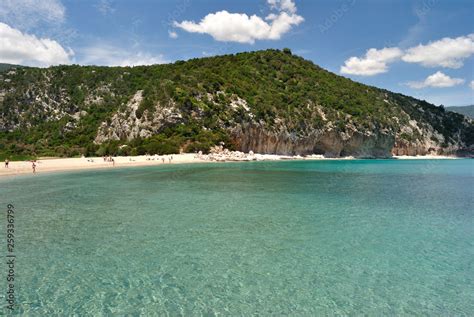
x=471, y=84
x=374, y=62
x=27, y=14
x=107, y=55
x=283, y=5
x=437, y=80
x=173, y=34
x=241, y=28
x=25, y=49
x=447, y=52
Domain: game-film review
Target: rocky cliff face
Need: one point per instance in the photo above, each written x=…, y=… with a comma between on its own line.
x=125, y=124
x=330, y=143
x=413, y=138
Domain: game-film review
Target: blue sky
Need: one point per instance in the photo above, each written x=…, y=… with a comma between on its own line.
x=421, y=48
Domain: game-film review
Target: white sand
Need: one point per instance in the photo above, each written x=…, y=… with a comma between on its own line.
x=66, y=164
x=70, y=164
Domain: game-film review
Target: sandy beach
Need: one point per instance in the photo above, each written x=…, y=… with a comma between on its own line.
x=70, y=164
x=83, y=163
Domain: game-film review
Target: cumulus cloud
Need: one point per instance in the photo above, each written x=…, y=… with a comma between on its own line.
x=27, y=14
x=447, y=52
x=17, y=47
x=437, y=80
x=107, y=55
x=374, y=62
x=282, y=5
x=242, y=28
x=471, y=84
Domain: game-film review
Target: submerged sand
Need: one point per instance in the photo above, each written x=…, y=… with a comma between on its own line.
x=71, y=164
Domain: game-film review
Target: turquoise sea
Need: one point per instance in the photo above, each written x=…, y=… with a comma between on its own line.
x=299, y=238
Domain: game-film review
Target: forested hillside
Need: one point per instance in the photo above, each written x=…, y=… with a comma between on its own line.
x=266, y=101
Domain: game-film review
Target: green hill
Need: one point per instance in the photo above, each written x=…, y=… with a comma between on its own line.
x=266, y=101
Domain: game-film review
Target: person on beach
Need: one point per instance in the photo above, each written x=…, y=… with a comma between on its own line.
x=6, y=163
x=113, y=161
x=163, y=159
x=33, y=165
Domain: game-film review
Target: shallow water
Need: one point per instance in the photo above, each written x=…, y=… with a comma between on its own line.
x=375, y=237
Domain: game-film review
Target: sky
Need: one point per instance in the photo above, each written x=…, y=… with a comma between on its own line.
x=421, y=48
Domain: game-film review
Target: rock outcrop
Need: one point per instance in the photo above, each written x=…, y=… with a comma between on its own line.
x=330, y=143
x=125, y=124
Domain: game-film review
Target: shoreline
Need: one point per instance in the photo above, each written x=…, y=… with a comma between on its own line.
x=48, y=165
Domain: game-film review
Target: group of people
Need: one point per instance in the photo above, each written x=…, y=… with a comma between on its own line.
x=105, y=158
x=163, y=158
x=148, y=158
x=109, y=159
x=33, y=164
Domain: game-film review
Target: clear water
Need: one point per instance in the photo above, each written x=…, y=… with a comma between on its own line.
x=375, y=237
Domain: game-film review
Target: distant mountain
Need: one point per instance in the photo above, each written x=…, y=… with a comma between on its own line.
x=465, y=110
x=266, y=101
x=5, y=67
